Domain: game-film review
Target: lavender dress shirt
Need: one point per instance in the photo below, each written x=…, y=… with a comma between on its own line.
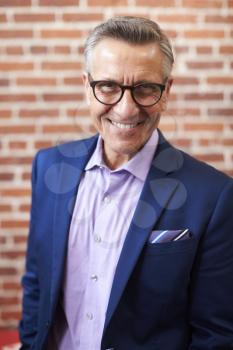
x=104, y=208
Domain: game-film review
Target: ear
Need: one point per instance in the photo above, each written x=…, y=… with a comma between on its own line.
x=86, y=86
x=169, y=85
x=166, y=93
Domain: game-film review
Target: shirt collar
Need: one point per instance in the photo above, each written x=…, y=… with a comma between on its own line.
x=138, y=166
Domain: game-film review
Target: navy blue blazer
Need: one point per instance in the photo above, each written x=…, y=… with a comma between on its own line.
x=175, y=295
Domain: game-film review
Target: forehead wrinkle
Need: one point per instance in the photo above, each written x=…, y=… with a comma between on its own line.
x=119, y=61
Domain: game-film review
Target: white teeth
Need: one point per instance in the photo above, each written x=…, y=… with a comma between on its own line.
x=124, y=126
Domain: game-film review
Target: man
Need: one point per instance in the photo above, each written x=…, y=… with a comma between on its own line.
x=131, y=240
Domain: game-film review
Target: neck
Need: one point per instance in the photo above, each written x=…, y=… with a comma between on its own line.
x=114, y=161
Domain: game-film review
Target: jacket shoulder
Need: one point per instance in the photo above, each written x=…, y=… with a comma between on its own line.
x=204, y=172
x=67, y=151
x=170, y=159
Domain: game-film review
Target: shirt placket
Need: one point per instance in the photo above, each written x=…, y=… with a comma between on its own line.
x=91, y=316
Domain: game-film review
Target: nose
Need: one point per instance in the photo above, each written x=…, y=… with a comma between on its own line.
x=126, y=107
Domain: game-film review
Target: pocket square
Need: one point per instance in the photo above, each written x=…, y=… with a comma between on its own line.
x=161, y=236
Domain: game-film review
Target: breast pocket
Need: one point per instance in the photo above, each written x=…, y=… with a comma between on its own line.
x=164, y=269
x=171, y=247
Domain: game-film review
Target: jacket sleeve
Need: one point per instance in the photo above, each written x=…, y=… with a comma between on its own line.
x=211, y=310
x=31, y=292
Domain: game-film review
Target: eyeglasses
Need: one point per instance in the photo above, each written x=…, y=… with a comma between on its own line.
x=109, y=92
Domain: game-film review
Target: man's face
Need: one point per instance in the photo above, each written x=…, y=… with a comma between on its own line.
x=127, y=65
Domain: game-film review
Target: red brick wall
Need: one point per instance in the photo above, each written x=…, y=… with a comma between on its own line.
x=41, y=97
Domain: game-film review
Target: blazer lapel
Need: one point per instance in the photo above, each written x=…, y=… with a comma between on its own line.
x=71, y=169
x=158, y=193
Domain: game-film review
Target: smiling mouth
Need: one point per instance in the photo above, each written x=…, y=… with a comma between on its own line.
x=125, y=125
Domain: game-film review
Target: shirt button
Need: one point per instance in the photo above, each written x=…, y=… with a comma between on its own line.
x=89, y=316
x=107, y=199
x=94, y=278
x=97, y=239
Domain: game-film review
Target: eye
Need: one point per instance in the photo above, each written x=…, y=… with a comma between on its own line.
x=107, y=87
x=147, y=90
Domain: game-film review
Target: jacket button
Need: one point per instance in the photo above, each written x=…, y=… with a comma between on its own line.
x=47, y=324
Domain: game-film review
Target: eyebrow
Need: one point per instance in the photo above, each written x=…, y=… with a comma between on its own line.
x=135, y=83
x=144, y=82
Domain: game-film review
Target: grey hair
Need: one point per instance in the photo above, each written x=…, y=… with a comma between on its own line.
x=133, y=30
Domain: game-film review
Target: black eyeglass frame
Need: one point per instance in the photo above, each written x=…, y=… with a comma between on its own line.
x=93, y=84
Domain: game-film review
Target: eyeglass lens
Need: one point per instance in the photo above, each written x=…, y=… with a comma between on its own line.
x=144, y=94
